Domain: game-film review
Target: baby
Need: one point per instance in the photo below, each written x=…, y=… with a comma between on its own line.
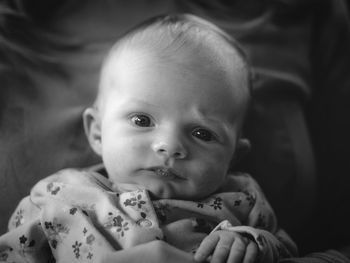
x=167, y=123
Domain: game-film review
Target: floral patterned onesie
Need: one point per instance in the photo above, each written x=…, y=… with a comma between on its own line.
x=76, y=216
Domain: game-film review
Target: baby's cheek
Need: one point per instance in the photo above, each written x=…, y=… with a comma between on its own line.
x=216, y=176
x=208, y=183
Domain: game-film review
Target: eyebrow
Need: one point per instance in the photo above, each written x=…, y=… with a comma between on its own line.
x=137, y=100
x=210, y=120
x=221, y=125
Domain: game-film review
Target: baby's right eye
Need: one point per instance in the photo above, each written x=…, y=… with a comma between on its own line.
x=142, y=120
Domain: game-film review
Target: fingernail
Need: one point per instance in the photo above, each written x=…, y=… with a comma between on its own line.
x=198, y=257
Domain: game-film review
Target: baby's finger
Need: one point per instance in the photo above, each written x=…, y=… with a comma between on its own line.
x=223, y=247
x=251, y=252
x=237, y=251
x=206, y=247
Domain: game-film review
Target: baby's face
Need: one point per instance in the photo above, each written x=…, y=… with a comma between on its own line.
x=167, y=127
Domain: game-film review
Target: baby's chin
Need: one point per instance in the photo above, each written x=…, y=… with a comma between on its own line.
x=160, y=194
x=165, y=191
x=170, y=193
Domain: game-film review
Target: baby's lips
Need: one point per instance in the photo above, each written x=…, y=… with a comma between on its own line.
x=166, y=171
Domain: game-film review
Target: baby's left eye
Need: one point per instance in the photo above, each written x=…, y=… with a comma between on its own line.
x=142, y=120
x=203, y=134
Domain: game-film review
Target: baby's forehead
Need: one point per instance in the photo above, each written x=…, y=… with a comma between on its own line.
x=126, y=63
x=131, y=63
x=190, y=56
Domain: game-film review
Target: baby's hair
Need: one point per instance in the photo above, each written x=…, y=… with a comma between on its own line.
x=167, y=34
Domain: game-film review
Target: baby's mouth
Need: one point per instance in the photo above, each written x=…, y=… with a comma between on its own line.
x=162, y=172
x=165, y=172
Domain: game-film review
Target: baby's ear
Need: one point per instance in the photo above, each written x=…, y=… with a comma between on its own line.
x=92, y=127
x=242, y=149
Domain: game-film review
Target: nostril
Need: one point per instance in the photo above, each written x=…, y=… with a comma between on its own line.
x=177, y=155
x=169, y=151
x=180, y=154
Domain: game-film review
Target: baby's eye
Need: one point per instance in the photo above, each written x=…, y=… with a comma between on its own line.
x=203, y=134
x=142, y=120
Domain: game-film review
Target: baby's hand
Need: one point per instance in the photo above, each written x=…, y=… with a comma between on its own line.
x=226, y=246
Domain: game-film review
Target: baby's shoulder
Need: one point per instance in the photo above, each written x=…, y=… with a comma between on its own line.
x=76, y=176
x=68, y=175
x=240, y=181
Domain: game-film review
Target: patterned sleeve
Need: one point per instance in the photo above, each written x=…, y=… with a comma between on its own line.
x=45, y=227
x=74, y=216
x=25, y=241
x=260, y=223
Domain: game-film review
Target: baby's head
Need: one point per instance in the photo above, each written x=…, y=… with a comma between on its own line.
x=173, y=94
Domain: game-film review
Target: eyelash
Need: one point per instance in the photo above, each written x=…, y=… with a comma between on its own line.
x=207, y=137
x=145, y=121
x=137, y=120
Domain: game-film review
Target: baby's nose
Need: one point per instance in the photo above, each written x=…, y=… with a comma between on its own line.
x=169, y=149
